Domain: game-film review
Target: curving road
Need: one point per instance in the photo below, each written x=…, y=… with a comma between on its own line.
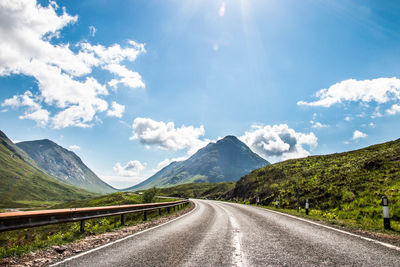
x=228, y=234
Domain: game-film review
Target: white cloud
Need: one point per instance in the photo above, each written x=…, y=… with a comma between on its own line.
x=74, y=147
x=347, y=118
x=358, y=134
x=380, y=90
x=167, y=161
x=116, y=110
x=131, y=169
x=318, y=125
x=279, y=141
x=33, y=110
x=62, y=74
x=128, y=78
x=394, y=109
x=92, y=31
x=166, y=136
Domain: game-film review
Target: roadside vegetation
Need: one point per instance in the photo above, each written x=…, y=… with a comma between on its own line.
x=343, y=188
x=198, y=190
x=19, y=242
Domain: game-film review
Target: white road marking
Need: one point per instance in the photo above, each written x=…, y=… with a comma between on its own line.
x=237, y=257
x=122, y=239
x=335, y=229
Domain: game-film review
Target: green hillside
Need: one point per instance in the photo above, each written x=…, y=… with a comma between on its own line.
x=21, y=182
x=342, y=186
x=202, y=190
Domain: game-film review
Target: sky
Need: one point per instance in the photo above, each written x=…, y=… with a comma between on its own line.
x=131, y=86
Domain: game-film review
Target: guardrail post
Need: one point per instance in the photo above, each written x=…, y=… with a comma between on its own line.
x=82, y=226
x=168, y=209
x=122, y=219
x=145, y=215
x=385, y=209
x=159, y=212
x=307, y=206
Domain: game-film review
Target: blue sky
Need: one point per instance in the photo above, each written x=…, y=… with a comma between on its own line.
x=132, y=85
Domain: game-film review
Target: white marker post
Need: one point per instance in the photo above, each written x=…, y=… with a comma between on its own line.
x=307, y=206
x=258, y=200
x=276, y=203
x=385, y=209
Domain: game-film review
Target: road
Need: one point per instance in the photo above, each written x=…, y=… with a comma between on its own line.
x=228, y=234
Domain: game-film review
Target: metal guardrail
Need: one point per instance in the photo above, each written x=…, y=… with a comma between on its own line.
x=26, y=219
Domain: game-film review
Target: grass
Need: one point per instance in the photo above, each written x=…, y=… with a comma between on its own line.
x=345, y=188
x=19, y=242
x=198, y=190
x=347, y=222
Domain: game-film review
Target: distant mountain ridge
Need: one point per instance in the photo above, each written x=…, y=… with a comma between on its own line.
x=21, y=179
x=65, y=165
x=224, y=161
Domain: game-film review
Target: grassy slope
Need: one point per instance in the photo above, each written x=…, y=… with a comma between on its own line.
x=200, y=190
x=345, y=186
x=21, y=183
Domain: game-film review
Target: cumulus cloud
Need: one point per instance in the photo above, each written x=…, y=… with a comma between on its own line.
x=166, y=136
x=116, y=110
x=62, y=74
x=380, y=90
x=33, y=110
x=394, y=109
x=131, y=169
x=279, y=141
x=317, y=125
x=166, y=162
x=358, y=134
x=74, y=147
x=128, y=78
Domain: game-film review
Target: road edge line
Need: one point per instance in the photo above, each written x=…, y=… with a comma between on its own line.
x=121, y=239
x=334, y=229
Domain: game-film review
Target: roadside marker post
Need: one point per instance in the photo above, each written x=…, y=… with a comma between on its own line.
x=307, y=206
x=385, y=209
x=258, y=200
x=276, y=203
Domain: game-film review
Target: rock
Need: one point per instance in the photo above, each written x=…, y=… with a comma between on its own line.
x=60, y=249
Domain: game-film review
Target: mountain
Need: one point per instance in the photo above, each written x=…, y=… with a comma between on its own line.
x=224, y=161
x=22, y=181
x=65, y=165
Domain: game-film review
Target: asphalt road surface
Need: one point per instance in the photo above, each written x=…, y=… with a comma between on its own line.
x=227, y=234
